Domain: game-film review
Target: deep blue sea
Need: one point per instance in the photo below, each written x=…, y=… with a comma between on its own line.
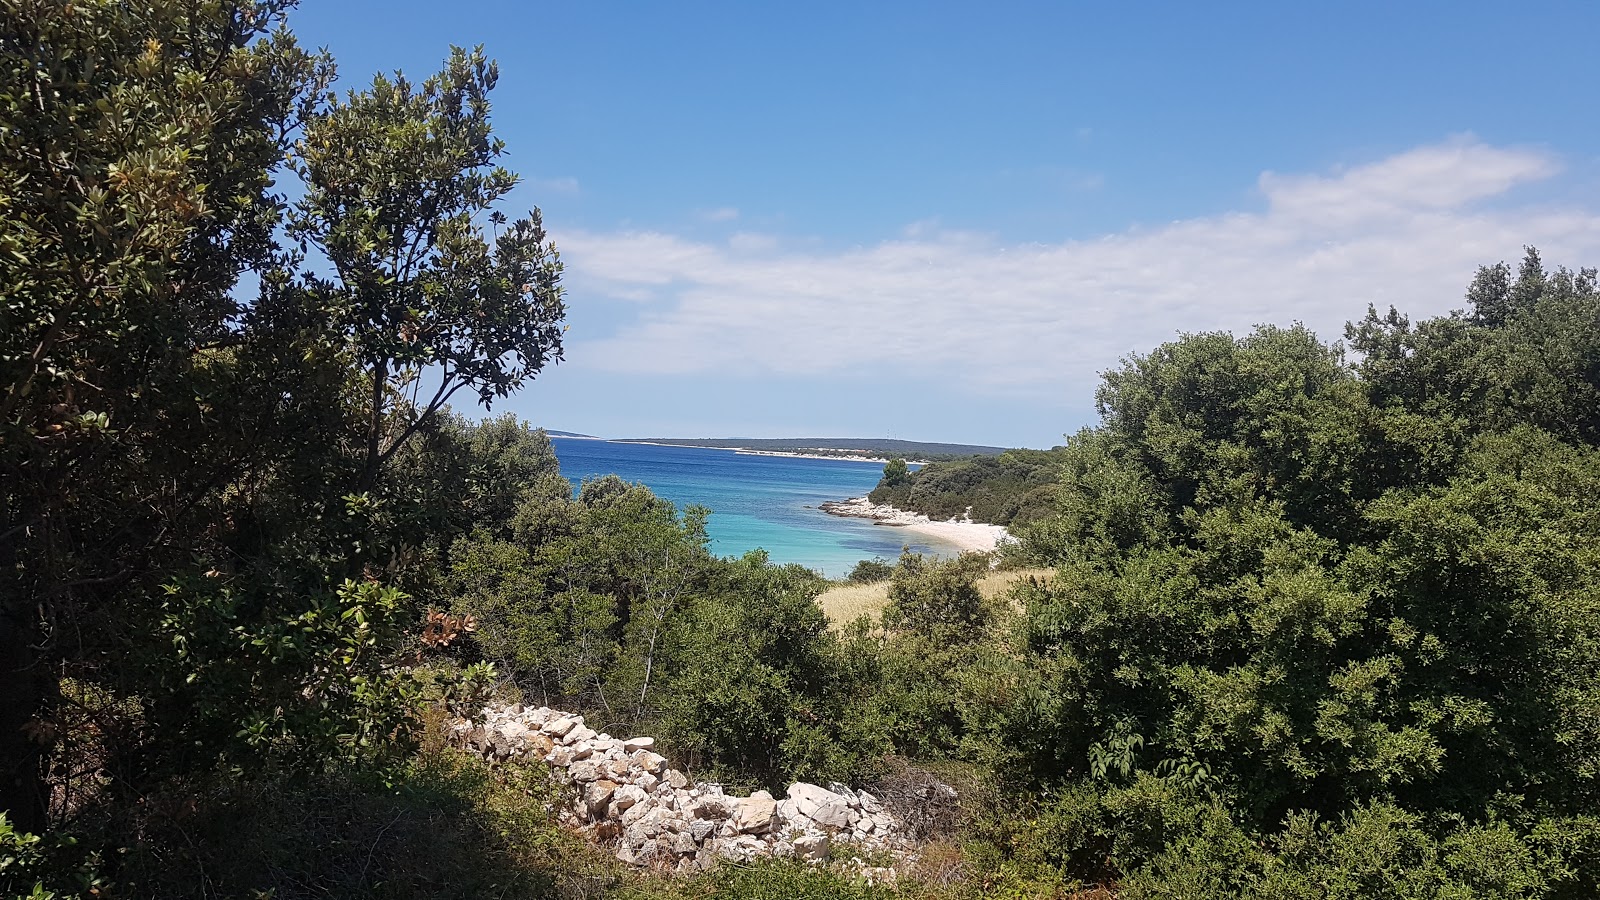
x=755, y=501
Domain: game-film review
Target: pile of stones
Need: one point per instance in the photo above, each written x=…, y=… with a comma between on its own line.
x=626, y=797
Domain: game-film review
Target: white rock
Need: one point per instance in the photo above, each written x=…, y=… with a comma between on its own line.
x=598, y=794
x=558, y=727
x=812, y=847
x=654, y=763
x=822, y=806
x=716, y=806
x=870, y=803
x=638, y=743
x=626, y=796
x=756, y=813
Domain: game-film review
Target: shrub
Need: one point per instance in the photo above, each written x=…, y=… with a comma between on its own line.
x=869, y=571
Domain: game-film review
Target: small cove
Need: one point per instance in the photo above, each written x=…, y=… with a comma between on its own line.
x=765, y=502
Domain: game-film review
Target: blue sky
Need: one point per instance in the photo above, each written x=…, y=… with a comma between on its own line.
x=942, y=221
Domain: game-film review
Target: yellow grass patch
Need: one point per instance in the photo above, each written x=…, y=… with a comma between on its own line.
x=847, y=601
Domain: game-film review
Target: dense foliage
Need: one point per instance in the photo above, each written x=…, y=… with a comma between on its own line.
x=215, y=490
x=1014, y=487
x=1365, y=595
x=1297, y=624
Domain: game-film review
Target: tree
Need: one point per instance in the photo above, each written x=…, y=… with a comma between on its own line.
x=895, y=472
x=1304, y=588
x=201, y=519
x=136, y=142
x=397, y=178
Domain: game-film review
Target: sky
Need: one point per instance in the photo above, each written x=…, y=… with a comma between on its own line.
x=940, y=221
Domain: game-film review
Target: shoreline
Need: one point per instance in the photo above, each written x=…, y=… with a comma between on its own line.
x=796, y=454
x=746, y=451
x=964, y=534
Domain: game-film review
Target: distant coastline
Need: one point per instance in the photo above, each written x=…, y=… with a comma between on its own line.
x=841, y=455
x=836, y=454
x=963, y=533
x=858, y=449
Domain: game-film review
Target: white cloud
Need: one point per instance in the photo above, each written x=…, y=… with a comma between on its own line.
x=1406, y=230
x=564, y=185
x=720, y=214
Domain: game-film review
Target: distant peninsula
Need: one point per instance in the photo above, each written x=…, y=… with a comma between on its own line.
x=572, y=434
x=876, y=449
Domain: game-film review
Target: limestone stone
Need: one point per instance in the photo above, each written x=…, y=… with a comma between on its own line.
x=653, y=763
x=756, y=813
x=637, y=811
x=598, y=795
x=715, y=806
x=628, y=798
x=822, y=806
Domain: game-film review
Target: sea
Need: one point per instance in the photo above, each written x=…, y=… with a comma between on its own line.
x=765, y=502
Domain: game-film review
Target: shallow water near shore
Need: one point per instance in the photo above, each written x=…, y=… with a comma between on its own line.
x=765, y=502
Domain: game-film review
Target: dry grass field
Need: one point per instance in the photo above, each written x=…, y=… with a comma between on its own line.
x=847, y=601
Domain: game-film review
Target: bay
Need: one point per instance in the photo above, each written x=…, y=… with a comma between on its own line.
x=756, y=502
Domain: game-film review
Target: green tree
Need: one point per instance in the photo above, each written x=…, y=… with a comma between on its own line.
x=397, y=180
x=1297, y=587
x=180, y=538
x=895, y=472
x=137, y=143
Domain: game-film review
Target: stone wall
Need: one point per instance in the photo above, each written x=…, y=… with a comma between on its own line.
x=626, y=797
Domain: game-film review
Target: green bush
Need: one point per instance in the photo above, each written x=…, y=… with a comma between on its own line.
x=870, y=571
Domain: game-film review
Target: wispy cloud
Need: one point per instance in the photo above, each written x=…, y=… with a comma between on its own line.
x=720, y=214
x=1407, y=230
x=563, y=185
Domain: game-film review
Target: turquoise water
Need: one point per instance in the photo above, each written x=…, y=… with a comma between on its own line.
x=766, y=502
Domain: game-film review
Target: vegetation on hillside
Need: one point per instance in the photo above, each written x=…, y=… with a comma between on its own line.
x=1010, y=488
x=1315, y=626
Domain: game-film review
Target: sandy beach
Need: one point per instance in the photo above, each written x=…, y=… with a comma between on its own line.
x=838, y=455
x=965, y=534
x=795, y=454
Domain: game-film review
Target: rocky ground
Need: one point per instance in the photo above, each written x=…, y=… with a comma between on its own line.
x=962, y=532
x=626, y=797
